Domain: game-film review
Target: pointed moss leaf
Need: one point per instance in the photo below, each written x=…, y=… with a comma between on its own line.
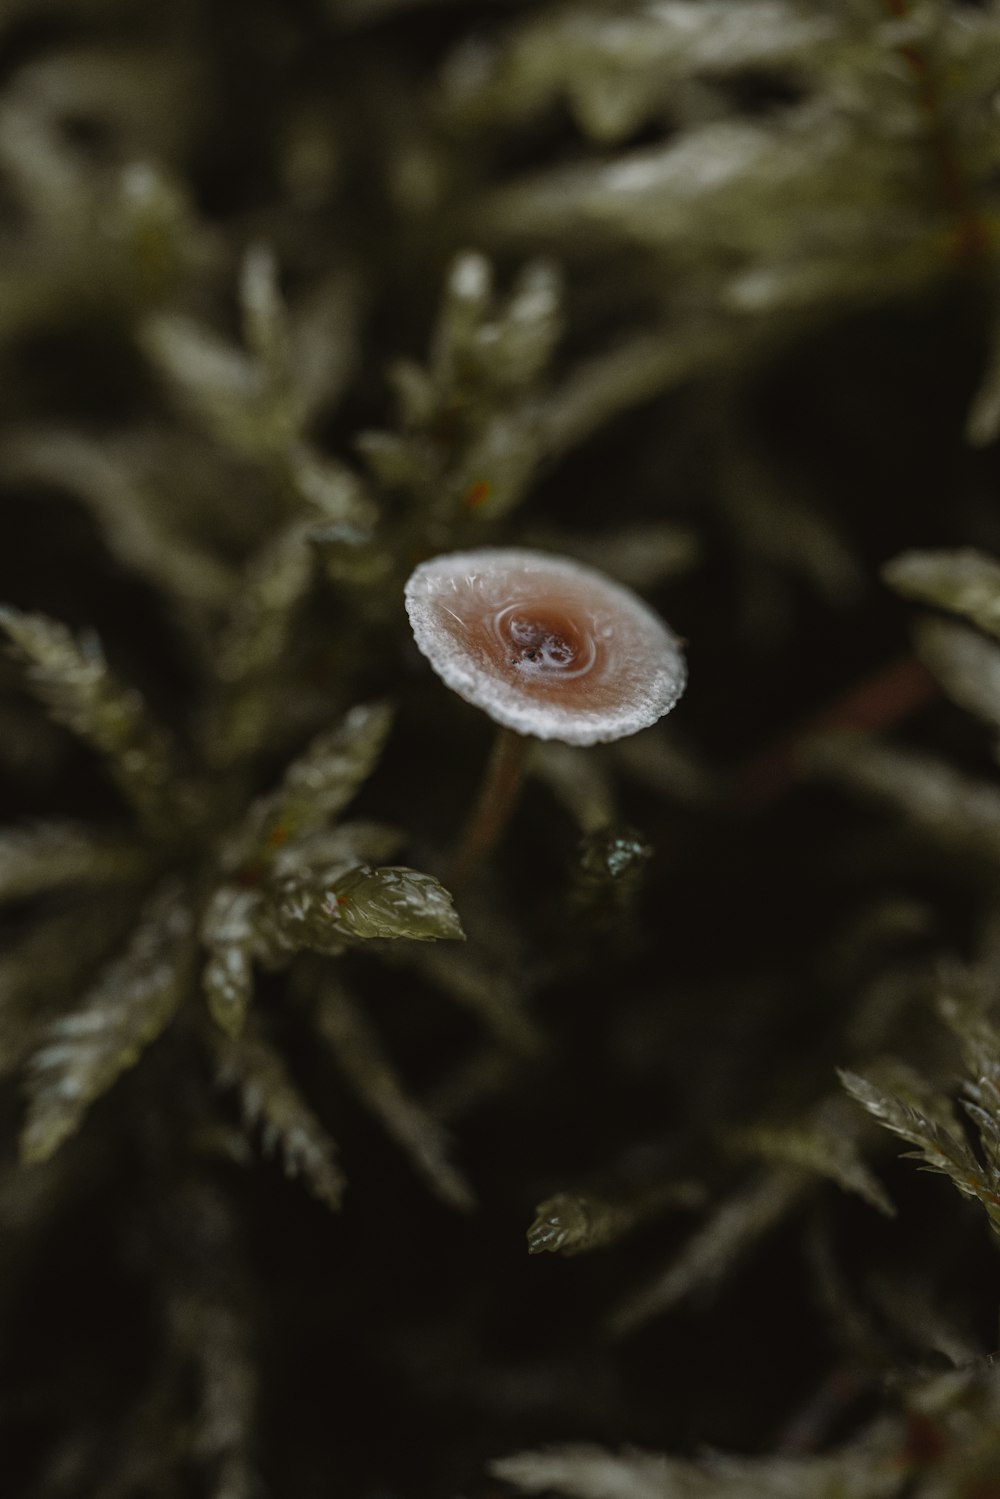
x=73, y=680
x=965, y=582
x=154, y=220
x=865, y=1469
x=228, y=981
x=322, y=781
x=55, y=955
x=614, y=66
x=135, y=524
x=503, y=455
x=828, y=1151
x=332, y=491
x=954, y=810
x=563, y=1222
x=573, y=1223
x=272, y=1103
x=989, y=1131
x=325, y=332
x=414, y=392
x=943, y=1145
x=982, y=424
x=939, y=1149
x=966, y=1006
x=467, y=300
x=130, y=1004
x=590, y=1472
x=966, y=663
x=394, y=460
x=228, y=932
x=395, y=902
x=51, y=855
x=731, y=1231
x=317, y=786
x=253, y=643
x=523, y=339
x=247, y=406
x=265, y=319
x=375, y=1080
x=273, y=585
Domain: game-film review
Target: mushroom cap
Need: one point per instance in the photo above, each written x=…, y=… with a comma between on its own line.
x=545, y=645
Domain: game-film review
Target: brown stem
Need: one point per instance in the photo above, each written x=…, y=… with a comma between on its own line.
x=490, y=815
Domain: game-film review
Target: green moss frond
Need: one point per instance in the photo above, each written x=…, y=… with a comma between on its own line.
x=229, y=935
x=273, y=1107
x=577, y=1222
x=966, y=664
x=951, y=810
x=361, y=905
x=138, y=524
x=51, y=855
x=966, y=582
x=133, y=1000
x=470, y=438
x=702, y=292
x=589, y=1472
x=940, y=1148
x=73, y=680
x=314, y=789
x=395, y=902
x=369, y=1072
x=824, y=1146
x=46, y=963
x=730, y=1232
x=613, y=65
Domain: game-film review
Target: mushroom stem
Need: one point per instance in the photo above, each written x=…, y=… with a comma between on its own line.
x=497, y=795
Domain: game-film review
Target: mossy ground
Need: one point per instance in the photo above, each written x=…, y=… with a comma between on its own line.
x=244, y=393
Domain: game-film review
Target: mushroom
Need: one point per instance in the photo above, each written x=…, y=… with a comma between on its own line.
x=549, y=648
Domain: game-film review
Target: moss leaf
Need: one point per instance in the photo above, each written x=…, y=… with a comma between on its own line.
x=73, y=680
x=52, y=855
x=316, y=786
x=131, y=1003
x=272, y=1102
x=228, y=933
x=374, y=1078
x=939, y=1148
x=395, y=902
x=825, y=1149
x=964, y=581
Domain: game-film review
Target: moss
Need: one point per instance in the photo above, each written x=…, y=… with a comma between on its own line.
x=292, y=298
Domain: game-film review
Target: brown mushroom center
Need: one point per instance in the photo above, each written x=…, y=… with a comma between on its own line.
x=542, y=641
x=555, y=642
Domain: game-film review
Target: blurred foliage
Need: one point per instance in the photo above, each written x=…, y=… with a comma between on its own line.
x=292, y=297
